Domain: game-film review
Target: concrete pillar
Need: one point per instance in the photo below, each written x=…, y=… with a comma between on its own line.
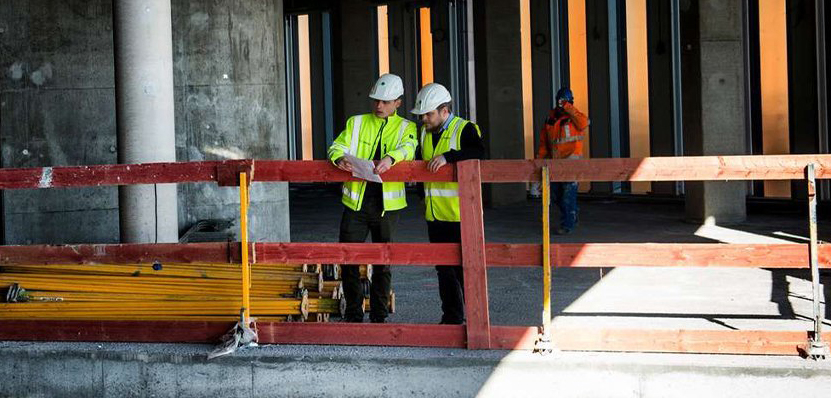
x=714, y=103
x=498, y=92
x=144, y=113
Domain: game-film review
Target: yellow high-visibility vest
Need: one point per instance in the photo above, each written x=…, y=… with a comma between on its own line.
x=360, y=139
x=441, y=199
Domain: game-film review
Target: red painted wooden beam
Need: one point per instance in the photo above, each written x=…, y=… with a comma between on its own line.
x=358, y=253
x=691, y=168
x=757, y=342
x=120, y=253
x=114, y=331
x=688, y=168
x=425, y=254
x=474, y=261
x=323, y=170
x=113, y=174
x=339, y=333
x=658, y=255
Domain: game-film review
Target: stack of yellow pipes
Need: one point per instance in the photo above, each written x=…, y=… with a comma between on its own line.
x=166, y=292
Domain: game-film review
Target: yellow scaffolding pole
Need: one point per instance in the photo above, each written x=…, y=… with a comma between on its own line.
x=544, y=343
x=246, y=267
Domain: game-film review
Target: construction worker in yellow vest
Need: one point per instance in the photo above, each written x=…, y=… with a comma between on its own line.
x=369, y=207
x=445, y=138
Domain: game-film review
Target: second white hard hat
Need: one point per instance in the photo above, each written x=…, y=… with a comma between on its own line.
x=430, y=97
x=388, y=87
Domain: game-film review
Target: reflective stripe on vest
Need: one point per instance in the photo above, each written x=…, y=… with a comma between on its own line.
x=441, y=193
x=353, y=195
x=356, y=134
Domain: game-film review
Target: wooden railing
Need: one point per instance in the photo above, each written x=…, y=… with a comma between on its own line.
x=473, y=254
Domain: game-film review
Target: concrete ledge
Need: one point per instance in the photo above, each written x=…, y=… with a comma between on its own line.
x=168, y=370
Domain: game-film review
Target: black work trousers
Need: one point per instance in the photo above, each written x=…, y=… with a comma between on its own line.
x=451, y=278
x=354, y=228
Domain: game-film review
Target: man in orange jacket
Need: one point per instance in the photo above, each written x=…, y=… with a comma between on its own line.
x=562, y=138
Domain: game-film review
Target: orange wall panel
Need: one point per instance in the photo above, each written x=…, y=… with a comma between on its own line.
x=638, y=84
x=773, y=60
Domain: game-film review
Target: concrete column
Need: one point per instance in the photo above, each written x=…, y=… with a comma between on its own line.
x=144, y=114
x=498, y=92
x=714, y=105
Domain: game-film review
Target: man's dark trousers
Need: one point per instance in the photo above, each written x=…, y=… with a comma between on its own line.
x=354, y=228
x=451, y=278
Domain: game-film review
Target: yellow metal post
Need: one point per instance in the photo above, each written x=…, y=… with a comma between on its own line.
x=544, y=344
x=246, y=267
x=546, y=254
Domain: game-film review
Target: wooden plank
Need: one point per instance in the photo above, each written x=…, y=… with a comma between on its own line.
x=113, y=174
x=422, y=254
x=474, y=261
x=757, y=342
x=691, y=168
x=687, y=168
x=323, y=170
x=388, y=334
x=359, y=253
x=114, y=331
x=120, y=253
x=658, y=255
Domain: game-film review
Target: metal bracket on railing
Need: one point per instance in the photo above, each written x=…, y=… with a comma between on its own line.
x=544, y=345
x=816, y=348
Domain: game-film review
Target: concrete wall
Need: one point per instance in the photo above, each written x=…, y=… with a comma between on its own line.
x=57, y=108
x=229, y=70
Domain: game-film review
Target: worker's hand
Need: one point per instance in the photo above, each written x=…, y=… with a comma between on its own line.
x=344, y=164
x=383, y=165
x=568, y=107
x=436, y=163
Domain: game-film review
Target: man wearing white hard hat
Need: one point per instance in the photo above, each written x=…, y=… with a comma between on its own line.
x=369, y=207
x=445, y=138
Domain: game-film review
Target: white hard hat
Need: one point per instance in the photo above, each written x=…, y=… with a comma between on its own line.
x=430, y=97
x=388, y=87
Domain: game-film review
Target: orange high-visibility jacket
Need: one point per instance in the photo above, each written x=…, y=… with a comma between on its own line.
x=562, y=137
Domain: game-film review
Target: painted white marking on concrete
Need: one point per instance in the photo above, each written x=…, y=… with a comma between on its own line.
x=45, y=178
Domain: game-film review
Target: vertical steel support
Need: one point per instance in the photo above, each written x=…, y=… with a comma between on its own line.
x=246, y=267
x=677, y=104
x=817, y=348
x=544, y=343
x=822, y=90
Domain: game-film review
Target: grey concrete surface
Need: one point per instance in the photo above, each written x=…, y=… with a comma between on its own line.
x=57, y=108
x=158, y=370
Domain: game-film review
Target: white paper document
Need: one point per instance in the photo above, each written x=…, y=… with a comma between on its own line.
x=363, y=169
